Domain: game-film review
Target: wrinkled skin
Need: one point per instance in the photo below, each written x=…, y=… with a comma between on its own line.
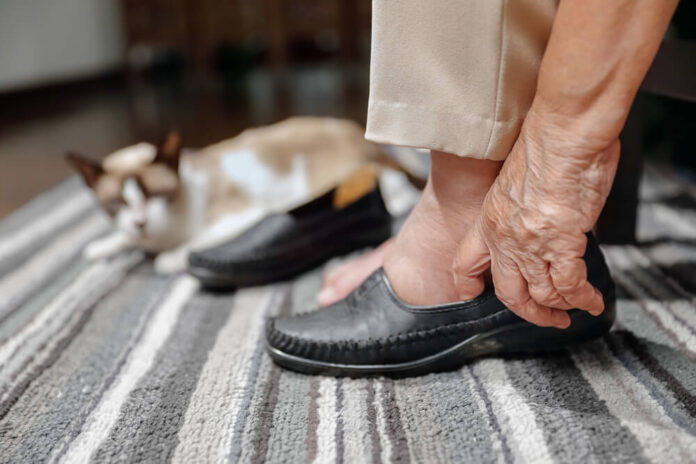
x=531, y=229
x=555, y=180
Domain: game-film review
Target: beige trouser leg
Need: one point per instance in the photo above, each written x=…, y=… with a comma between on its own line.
x=455, y=75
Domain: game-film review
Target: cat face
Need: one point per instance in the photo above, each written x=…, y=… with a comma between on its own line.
x=136, y=186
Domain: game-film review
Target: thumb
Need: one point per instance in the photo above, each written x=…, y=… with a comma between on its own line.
x=471, y=260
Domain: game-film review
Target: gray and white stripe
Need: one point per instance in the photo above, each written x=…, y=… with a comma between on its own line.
x=106, y=361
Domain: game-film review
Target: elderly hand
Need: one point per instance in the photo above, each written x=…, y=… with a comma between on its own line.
x=531, y=230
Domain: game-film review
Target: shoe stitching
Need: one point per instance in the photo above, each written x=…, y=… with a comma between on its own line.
x=395, y=340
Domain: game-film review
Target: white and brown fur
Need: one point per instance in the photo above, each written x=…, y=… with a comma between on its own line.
x=168, y=203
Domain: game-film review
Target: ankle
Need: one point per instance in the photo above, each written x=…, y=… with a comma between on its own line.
x=448, y=170
x=459, y=184
x=419, y=263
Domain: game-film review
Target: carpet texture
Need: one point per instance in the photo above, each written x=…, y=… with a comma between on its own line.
x=106, y=361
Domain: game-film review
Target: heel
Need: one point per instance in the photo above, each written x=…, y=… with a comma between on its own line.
x=527, y=338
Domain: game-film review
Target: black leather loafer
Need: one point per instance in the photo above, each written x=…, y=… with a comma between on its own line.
x=373, y=332
x=284, y=245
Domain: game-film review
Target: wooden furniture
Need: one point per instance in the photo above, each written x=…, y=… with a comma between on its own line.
x=199, y=27
x=672, y=74
x=154, y=24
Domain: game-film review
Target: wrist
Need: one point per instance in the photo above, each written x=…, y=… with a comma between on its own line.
x=591, y=127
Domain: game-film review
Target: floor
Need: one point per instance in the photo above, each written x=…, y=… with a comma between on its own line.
x=106, y=361
x=94, y=118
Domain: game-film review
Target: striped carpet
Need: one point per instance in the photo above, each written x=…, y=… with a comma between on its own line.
x=106, y=361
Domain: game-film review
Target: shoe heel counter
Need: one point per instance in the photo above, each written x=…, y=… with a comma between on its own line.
x=376, y=218
x=378, y=206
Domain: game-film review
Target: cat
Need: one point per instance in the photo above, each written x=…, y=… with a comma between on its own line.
x=169, y=203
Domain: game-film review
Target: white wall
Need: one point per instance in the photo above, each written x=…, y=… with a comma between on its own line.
x=46, y=41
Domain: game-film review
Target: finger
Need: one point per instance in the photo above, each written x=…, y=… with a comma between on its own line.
x=327, y=296
x=569, y=277
x=347, y=282
x=544, y=316
x=540, y=286
x=471, y=259
x=511, y=289
x=334, y=275
x=362, y=265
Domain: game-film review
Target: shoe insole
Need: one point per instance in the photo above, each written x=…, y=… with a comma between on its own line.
x=356, y=186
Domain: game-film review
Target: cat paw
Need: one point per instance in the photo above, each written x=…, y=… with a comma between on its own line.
x=106, y=247
x=95, y=250
x=171, y=262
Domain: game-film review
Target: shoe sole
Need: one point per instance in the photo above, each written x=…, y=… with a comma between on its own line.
x=518, y=338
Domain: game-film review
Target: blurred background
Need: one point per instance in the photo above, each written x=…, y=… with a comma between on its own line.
x=96, y=75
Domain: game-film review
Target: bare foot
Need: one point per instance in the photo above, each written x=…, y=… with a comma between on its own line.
x=419, y=262
x=339, y=282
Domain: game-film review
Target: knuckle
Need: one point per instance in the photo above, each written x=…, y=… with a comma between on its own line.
x=552, y=301
x=538, y=224
x=543, y=295
x=571, y=286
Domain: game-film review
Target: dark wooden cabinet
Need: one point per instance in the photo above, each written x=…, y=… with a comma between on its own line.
x=198, y=28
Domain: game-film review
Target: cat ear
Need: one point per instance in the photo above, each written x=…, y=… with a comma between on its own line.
x=90, y=170
x=170, y=151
